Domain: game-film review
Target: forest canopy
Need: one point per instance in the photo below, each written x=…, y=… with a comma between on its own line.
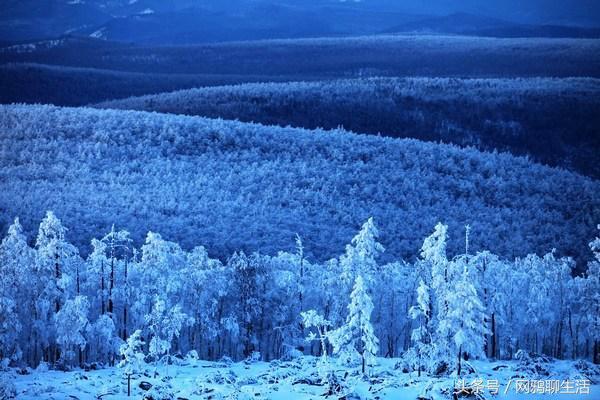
x=237, y=186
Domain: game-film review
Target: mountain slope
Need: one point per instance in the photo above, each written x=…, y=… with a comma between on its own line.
x=554, y=121
x=231, y=186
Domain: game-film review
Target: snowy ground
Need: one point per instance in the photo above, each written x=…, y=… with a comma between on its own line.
x=299, y=379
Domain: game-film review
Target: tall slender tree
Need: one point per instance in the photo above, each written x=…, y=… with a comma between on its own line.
x=357, y=334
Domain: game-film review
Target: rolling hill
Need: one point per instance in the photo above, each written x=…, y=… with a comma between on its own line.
x=378, y=55
x=503, y=114
x=75, y=86
x=231, y=185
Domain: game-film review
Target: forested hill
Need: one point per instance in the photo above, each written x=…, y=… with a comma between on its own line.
x=74, y=86
x=231, y=185
x=377, y=55
x=554, y=121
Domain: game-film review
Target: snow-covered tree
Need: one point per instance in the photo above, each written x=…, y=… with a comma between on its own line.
x=133, y=357
x=247, y=274
x=433, y=254
x=490, y=277
x=55, y=258
x=393, y=295
x=102, y=339
x=158, y=273
x=55, y=263
x=71, y=323
x=312, y=319
x=203, y=297
x=10, y=328
x=16, y=297
x=595, y=246
x=164, y=324
x=361, y=254
x=96, y=274
x=465, y=319
x=422, y=336
x=117, y=252
x=357, y=334
x=591, y=299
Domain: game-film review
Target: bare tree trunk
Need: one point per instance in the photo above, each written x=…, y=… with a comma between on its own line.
x=363, y=362
x=102, y=287
x=125, y=305
x=493, y=336
x=458, y=368
x=573, y=339
x=559, y=344
x=111, y=286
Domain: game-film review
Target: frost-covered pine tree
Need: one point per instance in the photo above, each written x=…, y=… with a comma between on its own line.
x=361, y=254
x=16, y=298
x=465, y=319
x=133, y=357
x=55, y=260
x=433, y=253
x=117, y=251
x=422, y=336
x=71, y=323
x=357, y=334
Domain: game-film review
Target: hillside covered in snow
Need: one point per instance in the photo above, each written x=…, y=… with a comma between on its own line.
x=235, y=186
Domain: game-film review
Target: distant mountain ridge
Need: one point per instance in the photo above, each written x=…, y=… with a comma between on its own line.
x=189, y=21
x=479, y=25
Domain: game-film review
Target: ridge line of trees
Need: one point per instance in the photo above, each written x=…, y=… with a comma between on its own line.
x=161, y=301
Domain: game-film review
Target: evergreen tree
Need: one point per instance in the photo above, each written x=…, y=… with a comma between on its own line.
x=117, y=249
x=357, y=335
x=361, y=254
x=133, y=357
x=465, y=319
x=16, y=298
x=55, y=261
x=422, y=336
x=433, y=253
